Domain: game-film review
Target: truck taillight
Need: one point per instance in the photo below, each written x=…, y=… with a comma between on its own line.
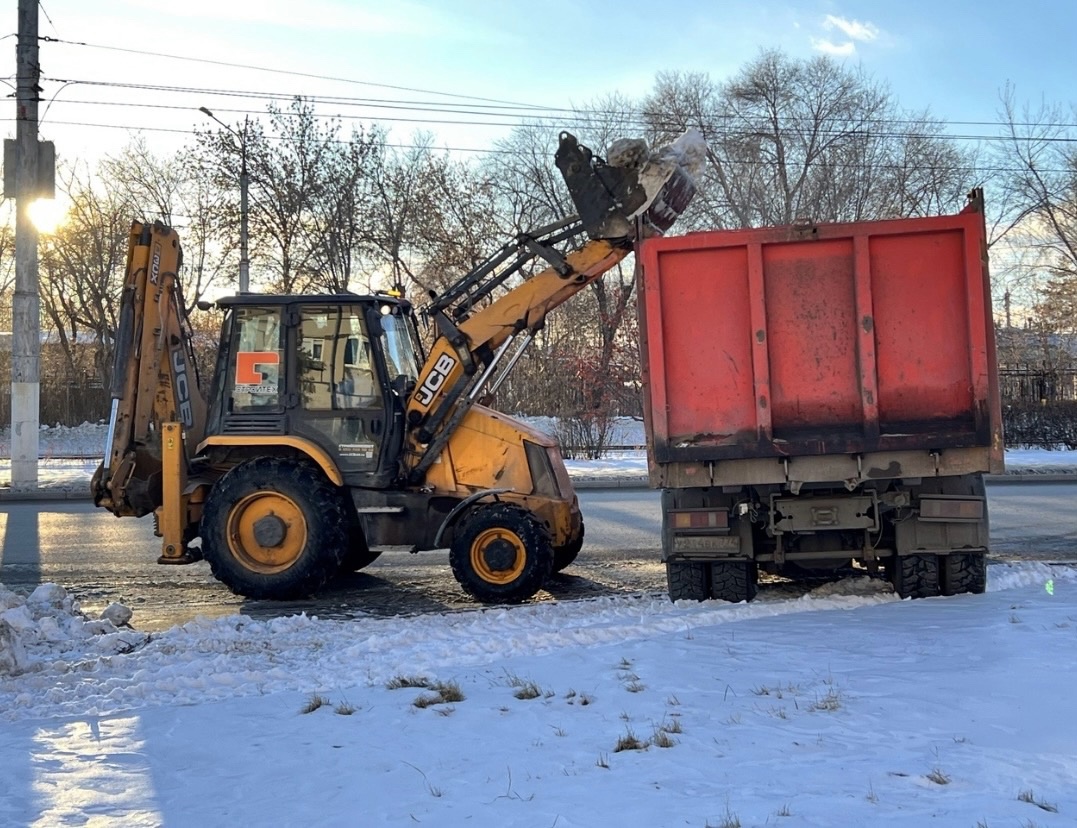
x=700, y=519
x=951, y=509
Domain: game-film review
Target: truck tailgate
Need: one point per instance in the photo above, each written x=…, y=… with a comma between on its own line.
x=807, y=340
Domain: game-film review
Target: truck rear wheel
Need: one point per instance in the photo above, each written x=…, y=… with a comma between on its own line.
x=274, y=528
x=688, y=581
x=915, y=576
x=734, y=581
x=501, y=554
x=564, y=555
x=965, y=572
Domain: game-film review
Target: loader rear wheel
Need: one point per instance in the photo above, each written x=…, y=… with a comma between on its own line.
x=688, y=581
x=966, y=572
x=914, y=576
x=501, y=554
x=563, y=556
x=274, y=528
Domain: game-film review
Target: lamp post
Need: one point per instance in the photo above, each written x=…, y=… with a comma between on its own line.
x=244, y=262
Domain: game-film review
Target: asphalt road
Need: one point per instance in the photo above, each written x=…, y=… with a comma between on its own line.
x=103, y=559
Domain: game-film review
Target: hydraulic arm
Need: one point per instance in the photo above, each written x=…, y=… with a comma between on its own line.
x=617, y=207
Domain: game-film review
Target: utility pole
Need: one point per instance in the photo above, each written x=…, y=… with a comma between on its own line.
x=244, y=262
x=26, y=320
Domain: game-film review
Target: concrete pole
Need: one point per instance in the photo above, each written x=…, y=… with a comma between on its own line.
x=26, y=320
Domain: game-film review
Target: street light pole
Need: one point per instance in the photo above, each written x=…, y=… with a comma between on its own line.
x=244, y=262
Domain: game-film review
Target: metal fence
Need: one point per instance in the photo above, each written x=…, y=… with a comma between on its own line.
x=1023, y=383
x=64, y=403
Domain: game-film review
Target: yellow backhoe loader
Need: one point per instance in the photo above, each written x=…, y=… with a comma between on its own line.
x=329, y=436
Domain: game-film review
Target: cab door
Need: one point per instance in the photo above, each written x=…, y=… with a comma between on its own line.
x=339, y=394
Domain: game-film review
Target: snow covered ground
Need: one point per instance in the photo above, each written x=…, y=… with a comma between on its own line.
x=846, y=707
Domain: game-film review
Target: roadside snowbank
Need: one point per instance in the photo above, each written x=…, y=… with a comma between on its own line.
x=57, y=661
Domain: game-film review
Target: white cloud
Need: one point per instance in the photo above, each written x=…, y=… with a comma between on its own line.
x=836, y=49
x=853, y=29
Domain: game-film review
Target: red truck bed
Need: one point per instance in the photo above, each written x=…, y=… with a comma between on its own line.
x=808, y=340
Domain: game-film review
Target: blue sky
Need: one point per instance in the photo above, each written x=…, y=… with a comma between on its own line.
x=952, y=57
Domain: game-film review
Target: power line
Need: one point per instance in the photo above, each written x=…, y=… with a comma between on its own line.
x=528, y=107
x=842, y=165
x=577, y=118
x=282, y=71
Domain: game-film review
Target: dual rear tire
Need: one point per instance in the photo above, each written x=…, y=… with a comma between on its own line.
x=924, y=576
x=733, y=581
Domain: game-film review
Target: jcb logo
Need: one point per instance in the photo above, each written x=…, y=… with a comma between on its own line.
x=182, y=386
x=435, y=379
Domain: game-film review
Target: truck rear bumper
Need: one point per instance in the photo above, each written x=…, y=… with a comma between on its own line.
x=850, y=470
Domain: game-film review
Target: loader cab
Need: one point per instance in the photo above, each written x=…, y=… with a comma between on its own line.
x=335, y=370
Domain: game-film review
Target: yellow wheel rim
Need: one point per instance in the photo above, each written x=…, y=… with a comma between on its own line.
x=498, y=556
x=287, y=535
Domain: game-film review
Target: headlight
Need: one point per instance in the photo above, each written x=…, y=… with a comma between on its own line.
x=542, y=476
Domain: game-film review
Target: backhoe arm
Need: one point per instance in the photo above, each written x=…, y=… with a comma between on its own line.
x=154, y=380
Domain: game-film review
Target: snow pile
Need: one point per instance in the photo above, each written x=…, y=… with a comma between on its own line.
x=63, y=441
x=47, y=625
x=68, y=664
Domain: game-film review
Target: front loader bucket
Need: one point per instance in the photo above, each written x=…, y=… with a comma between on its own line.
x=610, y=199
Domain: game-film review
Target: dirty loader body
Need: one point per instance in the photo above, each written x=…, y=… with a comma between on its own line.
x=329, y=436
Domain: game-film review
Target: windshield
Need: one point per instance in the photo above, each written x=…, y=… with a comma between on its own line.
x=399, y=348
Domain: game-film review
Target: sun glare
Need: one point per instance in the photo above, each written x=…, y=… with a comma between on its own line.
x=46, y=214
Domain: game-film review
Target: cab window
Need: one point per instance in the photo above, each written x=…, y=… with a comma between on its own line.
x=255, y=375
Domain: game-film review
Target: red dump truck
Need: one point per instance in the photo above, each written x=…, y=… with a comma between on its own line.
x=821, y=397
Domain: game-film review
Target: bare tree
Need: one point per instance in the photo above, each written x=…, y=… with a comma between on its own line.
x=807, y=139
x=400, y=206
x=287, y=165
x=339, y=219
x=176, y=191
x=81, y=266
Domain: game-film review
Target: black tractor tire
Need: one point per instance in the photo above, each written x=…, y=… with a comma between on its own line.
x=734, y=581
x=501, y=554
x=688, y=580
x=563, y=556
x=274, y=528
x=915, y=576
x=963, y=572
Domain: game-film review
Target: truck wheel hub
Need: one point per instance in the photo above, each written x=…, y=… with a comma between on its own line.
x=499, y=555
x=270, y=531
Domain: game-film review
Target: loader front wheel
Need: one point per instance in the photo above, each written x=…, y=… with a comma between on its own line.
x=274, y=528
x=501, y=554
